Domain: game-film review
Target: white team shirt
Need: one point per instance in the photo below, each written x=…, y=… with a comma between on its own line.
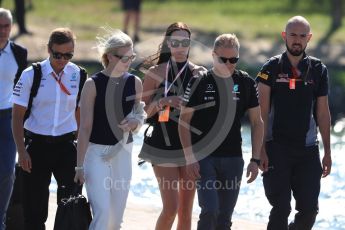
x=52, y=111
x=8, y=70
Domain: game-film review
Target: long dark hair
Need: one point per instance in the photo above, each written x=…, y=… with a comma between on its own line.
x=163, y=50
x=163, y=54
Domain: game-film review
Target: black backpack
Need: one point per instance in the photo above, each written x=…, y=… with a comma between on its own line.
x=37, y=81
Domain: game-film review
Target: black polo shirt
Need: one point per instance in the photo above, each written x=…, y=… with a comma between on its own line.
x=293, y=98
x=211, y=89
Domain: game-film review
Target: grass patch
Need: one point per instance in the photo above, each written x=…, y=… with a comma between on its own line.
x=337, y=77
x=250, y=19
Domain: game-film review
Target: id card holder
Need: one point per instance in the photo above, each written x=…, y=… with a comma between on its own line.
x=164, y=114
x=292, y=83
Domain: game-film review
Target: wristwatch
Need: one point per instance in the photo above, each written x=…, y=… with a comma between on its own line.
x=257, y=161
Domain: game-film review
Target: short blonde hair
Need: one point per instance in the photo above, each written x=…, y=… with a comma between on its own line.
x=113, y=40
x=226, y=41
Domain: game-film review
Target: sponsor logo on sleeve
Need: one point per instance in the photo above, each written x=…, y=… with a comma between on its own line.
x=74, y=76
x=263, y=76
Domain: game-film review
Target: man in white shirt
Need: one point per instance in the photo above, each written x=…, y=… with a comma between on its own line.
x=50, y=129
x=13, y=59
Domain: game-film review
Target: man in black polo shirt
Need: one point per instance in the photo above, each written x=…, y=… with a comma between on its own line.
x=293, y=89
x=211, y=120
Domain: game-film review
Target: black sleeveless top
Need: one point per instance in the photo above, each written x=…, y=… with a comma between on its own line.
x=169, y=139
x=115, y=98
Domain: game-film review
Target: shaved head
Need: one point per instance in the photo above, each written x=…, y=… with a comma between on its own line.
x=297, y=35
x=297, y=20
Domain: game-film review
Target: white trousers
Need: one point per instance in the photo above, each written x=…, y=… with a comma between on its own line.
x=108, y=171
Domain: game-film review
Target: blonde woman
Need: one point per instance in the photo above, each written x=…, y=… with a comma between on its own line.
x=111, y=110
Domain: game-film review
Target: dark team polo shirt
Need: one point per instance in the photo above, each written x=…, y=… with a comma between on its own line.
x=293, y=98
x=211, y=89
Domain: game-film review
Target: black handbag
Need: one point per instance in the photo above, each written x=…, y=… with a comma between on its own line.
x=73, y=213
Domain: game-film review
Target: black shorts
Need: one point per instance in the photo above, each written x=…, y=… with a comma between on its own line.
x=131, y=5
x=155, y=149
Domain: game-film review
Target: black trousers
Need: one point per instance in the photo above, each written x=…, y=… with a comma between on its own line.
x=58, y=159
x=296, y=170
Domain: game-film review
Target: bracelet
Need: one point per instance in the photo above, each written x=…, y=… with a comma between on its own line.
x=77, y=168
x=257, y=161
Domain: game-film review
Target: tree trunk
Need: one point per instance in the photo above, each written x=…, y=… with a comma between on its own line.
x=336, y=13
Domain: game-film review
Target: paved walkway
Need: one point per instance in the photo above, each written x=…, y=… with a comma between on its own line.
x=139, y=217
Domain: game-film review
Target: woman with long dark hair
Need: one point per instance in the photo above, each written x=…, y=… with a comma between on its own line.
x=163, y=88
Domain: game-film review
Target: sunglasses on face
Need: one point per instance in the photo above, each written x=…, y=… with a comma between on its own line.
x=232, y=60
x=125, y=59
x=58, y=55
x=176, y=43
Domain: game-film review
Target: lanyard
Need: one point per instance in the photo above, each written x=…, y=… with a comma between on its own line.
x=294, y=71
x=303, y=77
x=62, y=87
x=166, y=88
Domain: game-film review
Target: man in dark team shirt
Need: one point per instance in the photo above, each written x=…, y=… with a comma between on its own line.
x=218, y=100
x=293, y=89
